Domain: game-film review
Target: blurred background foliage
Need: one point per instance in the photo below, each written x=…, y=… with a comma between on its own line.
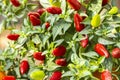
x=10, y=17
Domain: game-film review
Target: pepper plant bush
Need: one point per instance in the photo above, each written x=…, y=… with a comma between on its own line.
x=65, y=40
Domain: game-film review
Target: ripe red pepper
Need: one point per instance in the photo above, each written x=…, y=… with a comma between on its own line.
x=75, y=4
x=116, y=53
x=24, y=67
x=84, y=42
x=34, y=20
x=39, y=56
x=106, y=75
x=54, y=10
x=9, y=78
x=104, y=2
x=37, y=15
x=13, y=37
x=47, y=25
x=61, y=62
x=101, y=50
x=56, y=75
x=16, y=3
x=77, y=21
x=59, y=51
x=40, y=11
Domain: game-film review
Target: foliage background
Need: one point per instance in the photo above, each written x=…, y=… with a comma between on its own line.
x=4, y=41
x=94, y=65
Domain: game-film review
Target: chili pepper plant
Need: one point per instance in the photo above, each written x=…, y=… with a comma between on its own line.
x=64, y=40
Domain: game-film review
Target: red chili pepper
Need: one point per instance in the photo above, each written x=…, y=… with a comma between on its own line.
x=101, y=50
x=16, y=3
x=75, y=4
x=59, y=51
x=104, y=2
x=39, y=56
x=34, y=20
x=9, y=78
x=116, y=53
x=77, y=21
x=56, y=75
x=106, y=75
x=37, y=15
x=47, y=25
x=54, y=10
x=24, y=67
x=84, y=42
x=40, y=11
x=13, y=37
x=61, y=62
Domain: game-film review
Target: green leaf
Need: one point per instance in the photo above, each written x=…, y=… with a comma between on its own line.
x=67, y=37
x=91, y=54
x=32, y=32
x=72, y=78
x=51, y=66
x=2, y=57
x=94, y=7
x=36, y=39
x=65, y=26
x=8, y=65
x=20, y=12
x=2, y=26
x=101, y=60
x=45, y=39
x=56, y=30
x=21, y=42
x=45, y=3
x=58, y=27
x=75, y=36
x=84, y=73
x=68, y=73
x=111, y=35
x=87, y=21
x=85, y=31
x=108, y=63
x=31, y=6
x=94, y=67
x=58, y=42
x=52, y=18
x=17, y=71
x=78, y=38
x=63, y=6
x=118, y=45
x=75, y=59
x=105, y=41
x=30, y=45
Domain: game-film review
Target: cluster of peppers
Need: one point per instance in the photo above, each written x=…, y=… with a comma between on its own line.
x=59, y=51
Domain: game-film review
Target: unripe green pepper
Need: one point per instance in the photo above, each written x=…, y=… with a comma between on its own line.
x=95, y=22
x=37, y=75
x=114, y=10
x=24, y=1
x=55, y=3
